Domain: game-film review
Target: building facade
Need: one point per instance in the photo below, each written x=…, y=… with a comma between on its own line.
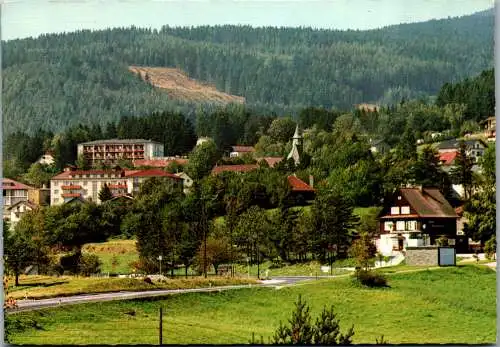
x=415, y=217
x=475, y=148
x=239, y=151
x=86, y=184
x=13, y=192
x=111, y=151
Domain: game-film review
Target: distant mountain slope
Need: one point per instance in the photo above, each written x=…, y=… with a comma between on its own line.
x=181, y=87
x=62, y=79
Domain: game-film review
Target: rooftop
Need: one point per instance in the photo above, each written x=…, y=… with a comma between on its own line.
x=8, y=184
x=159, y=162
x=455, y=143
x=243, y=149
x=298, y=185
x=448, y=158
x=234, y=168
x=117, y=173
x=119, y=141
x=427, y=202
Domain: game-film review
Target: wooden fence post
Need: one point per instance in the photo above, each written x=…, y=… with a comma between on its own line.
x=161, y=326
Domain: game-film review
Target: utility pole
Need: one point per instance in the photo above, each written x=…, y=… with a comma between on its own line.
x=161, y=326
x=160, y=259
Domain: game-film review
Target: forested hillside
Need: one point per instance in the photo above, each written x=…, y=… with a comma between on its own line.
x=60, y=80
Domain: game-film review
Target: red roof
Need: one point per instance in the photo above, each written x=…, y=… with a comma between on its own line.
x=9, y=184
x=126, y=173
x=70, y=174
x=159, y=162
x=150, y=173
x=447, y=158
x=298, y=185
x=234, y=168
x=271, y=161
x=243, y=149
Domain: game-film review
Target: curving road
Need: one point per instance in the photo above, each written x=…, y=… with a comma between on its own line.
x=28, y=305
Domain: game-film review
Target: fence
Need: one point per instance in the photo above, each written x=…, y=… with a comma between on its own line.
x=147, y=322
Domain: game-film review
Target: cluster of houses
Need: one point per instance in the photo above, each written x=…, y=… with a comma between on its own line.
x=414, y=217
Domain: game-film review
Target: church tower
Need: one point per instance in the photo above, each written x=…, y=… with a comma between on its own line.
x=296, y=147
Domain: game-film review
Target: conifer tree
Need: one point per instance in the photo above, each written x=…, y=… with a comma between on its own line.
x=105, y=193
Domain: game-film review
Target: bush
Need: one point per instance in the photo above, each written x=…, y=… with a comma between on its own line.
x=89, y=264
x=490, y=247
x=442, y=241
x=301, y=331
x=370, y=278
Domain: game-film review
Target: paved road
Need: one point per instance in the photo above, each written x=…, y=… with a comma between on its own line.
x=28, y=305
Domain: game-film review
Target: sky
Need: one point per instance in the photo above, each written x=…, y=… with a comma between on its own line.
x=25, y=18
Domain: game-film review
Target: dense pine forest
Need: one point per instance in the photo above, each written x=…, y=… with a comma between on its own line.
x=57, y=81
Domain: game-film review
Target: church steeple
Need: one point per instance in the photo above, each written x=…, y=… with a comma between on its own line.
x=296, y=146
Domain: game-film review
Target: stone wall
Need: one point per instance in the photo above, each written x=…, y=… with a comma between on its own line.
x=422, y=255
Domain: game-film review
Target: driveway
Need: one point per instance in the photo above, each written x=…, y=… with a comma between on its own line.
x=28, y=305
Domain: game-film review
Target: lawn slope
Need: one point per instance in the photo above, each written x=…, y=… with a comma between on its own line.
x=449, y=305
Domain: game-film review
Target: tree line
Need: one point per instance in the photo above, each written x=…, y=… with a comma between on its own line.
x=85, y=74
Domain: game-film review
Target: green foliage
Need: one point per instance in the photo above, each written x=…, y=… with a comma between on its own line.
x=89, y=264
x=281, y=130
x=85, y=76
x=301, y=331
x=105, y=193
x=218, y=252
x=490, y=247
x=487, y=163
x=442, y=241
x=363, y=250
x=480, y=212
x=370, y=278
x=39, y=175
x=202, y=159
x=461, y=172
x=478, y=94
x=333, y=222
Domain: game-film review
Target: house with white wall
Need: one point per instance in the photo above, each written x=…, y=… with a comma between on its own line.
x=415, y=217
x=86, y=184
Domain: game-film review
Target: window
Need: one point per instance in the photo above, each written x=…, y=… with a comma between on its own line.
x=388, y=226
x=395, y=210
x=411, y=225
x=56, y=191
x=400, y=225
x=405, y=210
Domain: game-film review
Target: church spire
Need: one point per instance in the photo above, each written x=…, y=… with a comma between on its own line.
x=296, y=144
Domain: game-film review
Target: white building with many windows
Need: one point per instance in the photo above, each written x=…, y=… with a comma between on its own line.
x=85, y=185
x=110, y=151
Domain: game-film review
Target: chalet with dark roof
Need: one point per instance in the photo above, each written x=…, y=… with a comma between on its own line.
x=415, y=217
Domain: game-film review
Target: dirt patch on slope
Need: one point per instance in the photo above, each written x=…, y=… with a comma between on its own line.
x=180, y=87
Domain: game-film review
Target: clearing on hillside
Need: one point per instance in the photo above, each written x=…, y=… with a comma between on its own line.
x=180, y=87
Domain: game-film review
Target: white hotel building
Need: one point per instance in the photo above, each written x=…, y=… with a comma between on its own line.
x=110, y=151
x=85, y=185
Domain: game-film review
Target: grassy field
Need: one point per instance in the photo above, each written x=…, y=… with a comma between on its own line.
x=306, y=269
x=40, y=287
x=115, y=255
x=447, y=305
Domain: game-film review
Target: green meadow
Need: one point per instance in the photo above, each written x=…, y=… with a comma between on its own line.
x=444, y=305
